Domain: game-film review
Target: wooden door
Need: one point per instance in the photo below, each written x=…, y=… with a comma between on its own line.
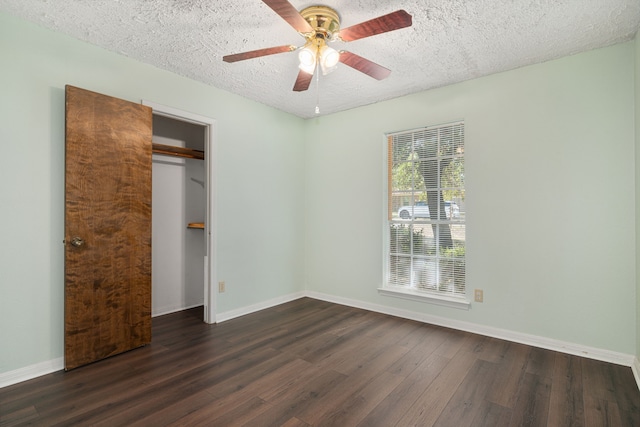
x=107, y=226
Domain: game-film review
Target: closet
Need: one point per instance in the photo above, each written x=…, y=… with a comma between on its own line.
x=178, y=215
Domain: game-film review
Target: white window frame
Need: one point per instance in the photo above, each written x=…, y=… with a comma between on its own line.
x=387, y=289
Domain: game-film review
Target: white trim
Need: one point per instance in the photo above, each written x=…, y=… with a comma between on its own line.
x=421, y=128
x=32, y=371
x=413, y=295
x=181, y=115
x=522, y=338
x=228, y=315
x=211, y=228
x=635, y=368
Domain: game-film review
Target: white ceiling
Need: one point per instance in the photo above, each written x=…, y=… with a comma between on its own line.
x=450, y=41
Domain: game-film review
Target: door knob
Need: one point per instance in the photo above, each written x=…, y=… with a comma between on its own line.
x=77, y=242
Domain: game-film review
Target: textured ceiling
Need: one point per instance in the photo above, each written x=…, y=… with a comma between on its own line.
x=450, y=41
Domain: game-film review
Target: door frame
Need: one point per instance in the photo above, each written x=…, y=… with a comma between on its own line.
x=210, y=223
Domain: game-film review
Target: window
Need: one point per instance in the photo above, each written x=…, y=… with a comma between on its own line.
x=426, y=214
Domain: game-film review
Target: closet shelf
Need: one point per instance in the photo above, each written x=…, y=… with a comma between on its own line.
x=170, y=150
x=199, y=225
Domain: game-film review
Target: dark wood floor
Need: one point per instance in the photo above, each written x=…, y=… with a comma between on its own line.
x=313, y=363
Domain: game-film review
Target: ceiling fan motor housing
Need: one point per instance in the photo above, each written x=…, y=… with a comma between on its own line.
x=324, y=20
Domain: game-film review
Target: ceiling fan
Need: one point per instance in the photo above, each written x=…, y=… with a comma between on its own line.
x=320, y=25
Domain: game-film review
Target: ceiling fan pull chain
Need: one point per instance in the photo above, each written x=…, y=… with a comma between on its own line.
x=318, y=87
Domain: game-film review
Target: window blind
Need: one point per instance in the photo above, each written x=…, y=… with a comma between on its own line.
x=426, y=209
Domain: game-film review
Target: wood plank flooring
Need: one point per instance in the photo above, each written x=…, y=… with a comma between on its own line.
x=313, y=363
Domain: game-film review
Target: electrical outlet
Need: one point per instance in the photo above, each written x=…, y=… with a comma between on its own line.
x=221, y=286
x=478, y=295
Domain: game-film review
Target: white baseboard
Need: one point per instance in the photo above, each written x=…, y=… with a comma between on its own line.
x=47, y=367
x=636, y=371
x=533, y=340
x=232, y=314
x=30, y=372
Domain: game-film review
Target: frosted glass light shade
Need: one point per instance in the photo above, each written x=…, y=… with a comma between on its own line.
x=307, y=58
x=329, y=58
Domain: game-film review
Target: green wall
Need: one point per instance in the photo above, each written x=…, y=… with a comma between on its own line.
x=259, y=170
x=550, y=175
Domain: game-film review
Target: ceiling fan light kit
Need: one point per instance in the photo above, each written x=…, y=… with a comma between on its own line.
x=320, y=25
x=316, y=53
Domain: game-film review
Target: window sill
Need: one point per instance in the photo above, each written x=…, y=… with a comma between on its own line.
x=410, y=294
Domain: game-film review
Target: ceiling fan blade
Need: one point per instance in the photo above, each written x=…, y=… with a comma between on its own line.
x=289, y=14
x=258, y=53
x=382, y=24
x=363, y=65
x=303, y=81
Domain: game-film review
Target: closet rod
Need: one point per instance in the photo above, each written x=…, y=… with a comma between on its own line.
x=171, y=150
